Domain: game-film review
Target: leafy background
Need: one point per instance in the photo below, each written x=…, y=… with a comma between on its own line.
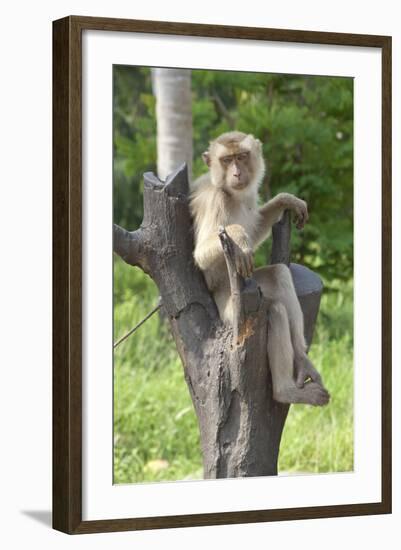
x=306, y=126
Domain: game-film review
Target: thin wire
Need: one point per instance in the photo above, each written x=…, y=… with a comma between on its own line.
x=159, y=305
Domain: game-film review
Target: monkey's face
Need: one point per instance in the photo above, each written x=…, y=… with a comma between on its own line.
x=237, y=170
x=235, y=161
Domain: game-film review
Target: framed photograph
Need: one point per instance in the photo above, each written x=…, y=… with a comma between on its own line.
x=221, y=274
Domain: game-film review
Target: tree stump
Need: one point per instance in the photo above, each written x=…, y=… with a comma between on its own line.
x=226, y=369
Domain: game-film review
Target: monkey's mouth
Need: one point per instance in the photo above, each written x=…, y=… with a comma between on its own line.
x=239, y=185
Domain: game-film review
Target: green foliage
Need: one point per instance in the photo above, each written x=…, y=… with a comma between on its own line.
x=134, y=141
x=154, y=418
x=305, y=124
x=153, y=413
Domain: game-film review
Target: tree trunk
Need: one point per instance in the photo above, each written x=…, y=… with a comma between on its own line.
x=226, y=369
x=172, y=88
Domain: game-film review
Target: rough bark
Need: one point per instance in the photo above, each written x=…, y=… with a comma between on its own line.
x=226, y=369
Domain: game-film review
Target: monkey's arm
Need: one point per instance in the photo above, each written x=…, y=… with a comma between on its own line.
x=272, y=211
x=209, y=251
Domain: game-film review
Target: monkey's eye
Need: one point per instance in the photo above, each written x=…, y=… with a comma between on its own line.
x=226, y=160
x=243, y=156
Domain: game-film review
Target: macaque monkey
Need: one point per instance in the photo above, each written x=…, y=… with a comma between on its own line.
x=227, y=195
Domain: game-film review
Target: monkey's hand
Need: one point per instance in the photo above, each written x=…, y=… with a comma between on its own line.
x=296, y=205
x=243, y=253
x=243, y=258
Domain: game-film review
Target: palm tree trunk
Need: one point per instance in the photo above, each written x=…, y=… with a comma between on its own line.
x=172, y=88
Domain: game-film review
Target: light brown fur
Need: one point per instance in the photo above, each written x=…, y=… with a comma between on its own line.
x=228, y=196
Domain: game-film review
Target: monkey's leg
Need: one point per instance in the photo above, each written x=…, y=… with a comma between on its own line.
x=280, y=353
x=279, y=350
x=304, y=368
x=276, y=283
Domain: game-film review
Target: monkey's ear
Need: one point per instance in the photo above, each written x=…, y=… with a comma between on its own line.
x=206, y=157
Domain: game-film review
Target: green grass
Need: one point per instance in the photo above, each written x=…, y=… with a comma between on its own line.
x=155, y=428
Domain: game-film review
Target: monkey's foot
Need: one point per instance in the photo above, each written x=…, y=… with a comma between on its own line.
x=311, y=394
